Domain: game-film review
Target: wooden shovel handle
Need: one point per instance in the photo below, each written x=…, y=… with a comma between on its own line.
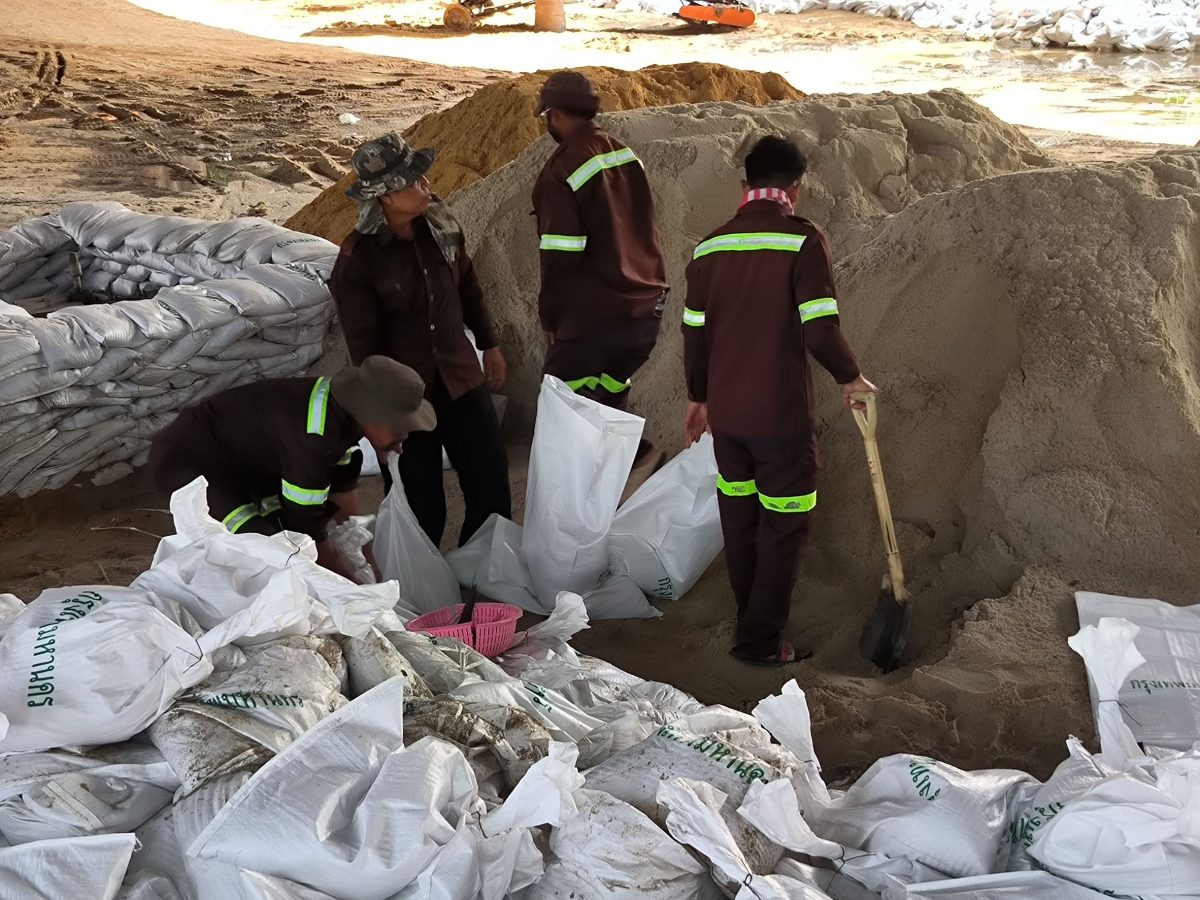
x=867, y=420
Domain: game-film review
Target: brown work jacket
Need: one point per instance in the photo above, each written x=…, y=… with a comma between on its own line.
x=281, y=442
x=403, y=299
x=601, y=259
x=760, y=299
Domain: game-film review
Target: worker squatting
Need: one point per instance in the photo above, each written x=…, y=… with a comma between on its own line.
x=282, y=454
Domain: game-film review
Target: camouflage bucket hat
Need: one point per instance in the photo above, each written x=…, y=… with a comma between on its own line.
x=386, y=164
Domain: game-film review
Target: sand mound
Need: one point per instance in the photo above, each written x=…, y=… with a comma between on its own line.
x=870, y=157
x=491, y=127
x=1034, y=334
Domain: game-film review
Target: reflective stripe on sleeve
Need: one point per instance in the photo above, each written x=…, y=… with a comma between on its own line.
x=758, y=240
x=318, y=406
x=817, y=309
x=240, y=517
x=607, y=382
x=568, y=243
x=598, y=164
x=736, y=488
x=269, y=505
x=693, y=317
x=304, y=496
x=802, y=504
x=348, y=456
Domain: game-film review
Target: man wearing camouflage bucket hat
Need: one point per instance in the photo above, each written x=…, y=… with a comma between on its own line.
x=405, y=288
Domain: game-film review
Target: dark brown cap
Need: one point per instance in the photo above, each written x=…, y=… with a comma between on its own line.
x=384, y=392
x=569, y=91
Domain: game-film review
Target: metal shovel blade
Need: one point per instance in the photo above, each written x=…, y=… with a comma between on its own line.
x=886, y=636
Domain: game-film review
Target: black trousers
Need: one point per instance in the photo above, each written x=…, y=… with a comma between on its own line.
x=600, y=366
x=470, y=431
x=766, y=491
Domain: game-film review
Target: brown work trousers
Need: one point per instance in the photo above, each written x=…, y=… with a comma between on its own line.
x=763, y=544
x=605, y=362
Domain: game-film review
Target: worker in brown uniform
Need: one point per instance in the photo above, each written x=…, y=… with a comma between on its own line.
x=760, y=300
x=603, y=284
x=404, y=287
x=281, y=454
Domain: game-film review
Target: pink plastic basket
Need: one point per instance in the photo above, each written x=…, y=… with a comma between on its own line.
x=491, y=630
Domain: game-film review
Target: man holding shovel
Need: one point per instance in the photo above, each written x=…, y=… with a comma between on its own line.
x=761, y=299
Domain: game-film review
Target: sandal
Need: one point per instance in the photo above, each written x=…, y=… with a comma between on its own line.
x=785, y=655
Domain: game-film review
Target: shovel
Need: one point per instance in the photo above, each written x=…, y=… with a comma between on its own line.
x=886, y=634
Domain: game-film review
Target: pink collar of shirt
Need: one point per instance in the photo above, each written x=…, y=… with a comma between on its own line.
x=777, y=194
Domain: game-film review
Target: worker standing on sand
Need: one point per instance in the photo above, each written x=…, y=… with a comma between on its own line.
x=404, y=287
x=281, y=454
x=604, y=285
x=760, y=299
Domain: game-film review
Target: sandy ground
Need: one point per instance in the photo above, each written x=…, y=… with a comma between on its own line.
x=109, y=101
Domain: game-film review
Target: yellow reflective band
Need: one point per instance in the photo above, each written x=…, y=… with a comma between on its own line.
x=693, y=318
x=607, y=382
x=736, y=488
x=816, y=309
x=802, y=504
x=318, y=406
x=240, y=517
x=269, y=505
x=348, y=456
x=568, y=243
x=598, y=164
x=758, y=240
x=304, y=496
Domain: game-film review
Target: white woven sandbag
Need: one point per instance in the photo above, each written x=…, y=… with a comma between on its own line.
x=104, y=223
x=668, y=533
x=300, y=287
x=581, y=457
x=610, y=851
x=1130, y=834
x=152, y=318
x=249, y=348
x=920, y=809
x=83, y=868
x=103, y=324
x=59, y=794
x=227, y=241
x=316, y=254
x=284, y=688
x=18, y=273
x=198, y=307
x=248, y=297
x=65, y=343
x=1037, y=804
x=106, y=662
x=161, y=232
x=116, y=365
x=34, y=383
x=226, y=336
x=296, y=335
x=405, y=554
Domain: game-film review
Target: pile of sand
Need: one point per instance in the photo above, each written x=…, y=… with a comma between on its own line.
x=870, y=156
x=477, y=136
x=1034, y=335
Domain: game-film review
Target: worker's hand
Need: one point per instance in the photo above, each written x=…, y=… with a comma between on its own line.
x=495, y=369
x=859, y=385
x=695, y=422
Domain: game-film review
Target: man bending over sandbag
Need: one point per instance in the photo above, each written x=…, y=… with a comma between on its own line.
x=760, y=298
x=280, y=454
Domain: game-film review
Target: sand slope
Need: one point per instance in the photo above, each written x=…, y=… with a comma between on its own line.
x=1032, y=332
x=487, y=130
